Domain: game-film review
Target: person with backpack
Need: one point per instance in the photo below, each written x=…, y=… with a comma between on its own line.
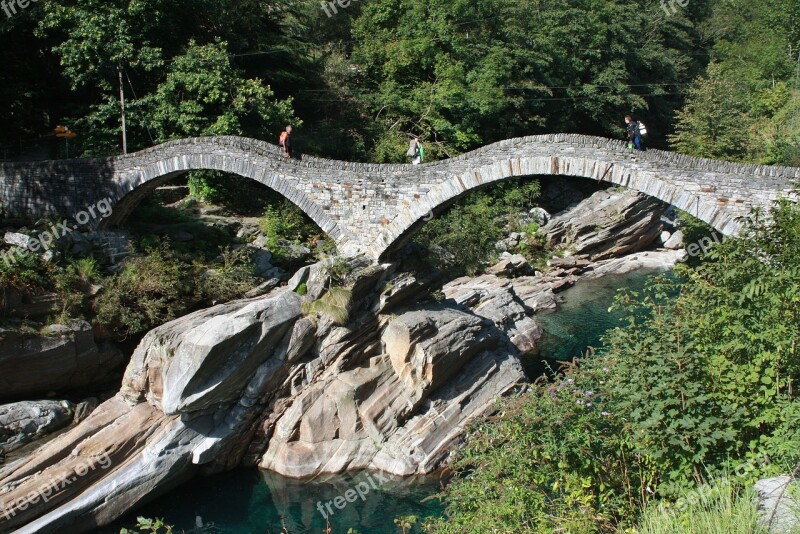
x=285, y=141
x=415, y=151
x=636, y=132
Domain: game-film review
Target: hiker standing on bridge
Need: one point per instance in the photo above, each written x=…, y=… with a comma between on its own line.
x=415, y=151
x=285, y=141
x=636, y=132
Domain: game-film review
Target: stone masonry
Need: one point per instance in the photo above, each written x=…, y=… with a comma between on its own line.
x=371, y=208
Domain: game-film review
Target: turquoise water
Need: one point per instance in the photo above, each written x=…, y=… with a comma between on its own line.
x=584, y=317
x=247, y=501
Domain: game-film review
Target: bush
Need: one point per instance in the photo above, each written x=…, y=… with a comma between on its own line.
x=470, y=229
x=150, y=291
x=231, y=280
x=692, y=386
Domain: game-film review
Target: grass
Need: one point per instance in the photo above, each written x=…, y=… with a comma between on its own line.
x=723, y=509
x=335, y=304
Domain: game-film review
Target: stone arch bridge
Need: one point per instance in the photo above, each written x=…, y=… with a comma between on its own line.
x=371, y=208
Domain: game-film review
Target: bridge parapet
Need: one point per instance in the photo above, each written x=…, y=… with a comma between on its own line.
x=370, y=208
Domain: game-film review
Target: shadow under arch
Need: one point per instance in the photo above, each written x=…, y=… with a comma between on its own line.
x=134, y=190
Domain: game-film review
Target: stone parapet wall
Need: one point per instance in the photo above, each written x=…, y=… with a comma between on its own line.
x=369, y=208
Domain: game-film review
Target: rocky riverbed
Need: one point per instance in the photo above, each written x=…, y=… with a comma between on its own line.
x=351, y=365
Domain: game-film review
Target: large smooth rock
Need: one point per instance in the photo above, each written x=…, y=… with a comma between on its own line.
x=64, y=358
x=205, y=359
x=401, y=411
x=427, y=347
x=778, y=505
x=608, y=224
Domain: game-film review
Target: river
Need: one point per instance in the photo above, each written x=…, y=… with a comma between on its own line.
x=246, y=501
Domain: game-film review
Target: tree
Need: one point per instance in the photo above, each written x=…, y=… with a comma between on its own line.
x=714, y=122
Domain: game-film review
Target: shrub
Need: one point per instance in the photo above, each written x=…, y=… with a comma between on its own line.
x=150, y=291
x=690, y=387
x=470, y=229
x=231, y=280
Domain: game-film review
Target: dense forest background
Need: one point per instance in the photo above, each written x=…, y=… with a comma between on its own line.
x=716, y=78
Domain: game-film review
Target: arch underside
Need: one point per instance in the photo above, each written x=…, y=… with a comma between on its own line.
x=704, y=206
x=132, y=186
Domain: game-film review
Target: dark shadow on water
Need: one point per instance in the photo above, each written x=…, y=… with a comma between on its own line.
x=248, y=501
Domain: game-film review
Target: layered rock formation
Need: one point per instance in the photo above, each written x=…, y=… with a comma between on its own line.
x=608, y=224
x=62, y=358
x=260, y=381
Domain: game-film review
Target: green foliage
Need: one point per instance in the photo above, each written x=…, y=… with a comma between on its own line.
x=149, y=525
x=150, y=291
x=284, y=224
x=470, y=229
x=690, y=387
x=746, y=106
x=714, y=122
x=466, y=73
x=26, y=271
x=723, y=509
x=302, y=289
x=205, y=95
x=406, y=523
x=230, y=280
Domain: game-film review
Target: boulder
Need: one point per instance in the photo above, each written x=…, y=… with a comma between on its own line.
x=63, y=358
x=540, y=216
x=675, y=241
x=608, y=224
x=18, y=239
x=204, y=360
x=23, y=422
x=514, y=265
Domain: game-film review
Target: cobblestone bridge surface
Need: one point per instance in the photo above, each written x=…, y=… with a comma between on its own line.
x=370, y=208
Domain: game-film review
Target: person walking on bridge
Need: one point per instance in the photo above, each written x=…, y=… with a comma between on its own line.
x=285, y=141
x=634, y=131
x=415, y=151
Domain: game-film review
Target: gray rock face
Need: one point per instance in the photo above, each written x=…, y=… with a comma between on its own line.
x=608, y=224
x=779, y=509
x=23, y=422
x=497, y=300
x=206, y=359
x=64, y=359
x=402, y=410
x=514, y=265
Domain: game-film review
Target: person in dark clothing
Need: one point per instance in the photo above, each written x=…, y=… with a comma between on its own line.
x=634, y=136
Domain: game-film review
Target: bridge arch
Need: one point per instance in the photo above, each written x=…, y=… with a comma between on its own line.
x=242, y=157
x=370, y=208
x=458, y=185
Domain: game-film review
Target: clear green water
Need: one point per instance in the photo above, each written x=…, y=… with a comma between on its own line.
x=583, y=318
x=247, y=501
